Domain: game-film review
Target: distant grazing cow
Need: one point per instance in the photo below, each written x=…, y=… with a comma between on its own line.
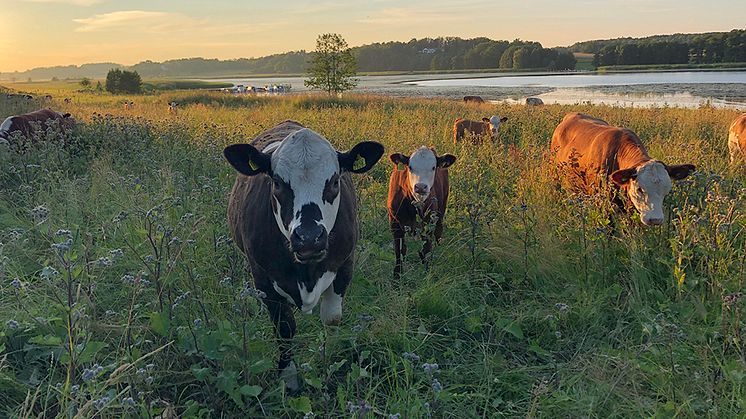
x=172, y=107
x=417, y=200
x=19, y=96
x=128, y=105
x=293, y=213
x=737, y=139
x=477, y=129
x=48, y=97
x=68, y=100
x=534, y=101
x=41, y=118
x=593, y=151
x=473, y=99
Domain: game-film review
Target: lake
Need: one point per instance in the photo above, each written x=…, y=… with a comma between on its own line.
x=676, y=88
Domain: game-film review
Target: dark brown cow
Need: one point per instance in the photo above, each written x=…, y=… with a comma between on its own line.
x=473, y=99
x=592, y=151
x=293, y=213
x=27, y=123
x=737, y=139
x=417, y=199
x=477, y=129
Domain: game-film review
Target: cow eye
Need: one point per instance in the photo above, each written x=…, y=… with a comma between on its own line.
x=639, y=190
x=433, y=168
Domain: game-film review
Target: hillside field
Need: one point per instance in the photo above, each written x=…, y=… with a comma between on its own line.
x=122, y=295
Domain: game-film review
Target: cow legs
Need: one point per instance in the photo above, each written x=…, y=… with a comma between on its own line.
x=331, y=300
x=282, y=318
x=400, y=249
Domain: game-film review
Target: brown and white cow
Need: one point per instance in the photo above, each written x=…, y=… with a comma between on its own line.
x=27, y=124
x=128, y=105
x=172, y=106
x=477, y=129
x=293, y=213
x=737, y=139
x=473, y=99
x=418, y=195
x=593, y=151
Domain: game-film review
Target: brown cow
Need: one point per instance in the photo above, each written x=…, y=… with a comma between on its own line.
x=419, y=191
x=473, y=99
x=128, y=105
x=737, y=139
x=477, y=129
x=172, y=106
x=593, y=151
x=25, y=123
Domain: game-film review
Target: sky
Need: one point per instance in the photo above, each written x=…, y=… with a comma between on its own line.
x=36, y=33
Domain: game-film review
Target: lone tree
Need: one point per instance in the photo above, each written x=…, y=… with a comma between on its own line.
x=119, y=81
x=333, y=67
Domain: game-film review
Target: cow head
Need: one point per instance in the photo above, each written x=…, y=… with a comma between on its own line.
x=305, y=171
x=420, y=168
x=67, y=120
x=647, y=185
x=494, y=122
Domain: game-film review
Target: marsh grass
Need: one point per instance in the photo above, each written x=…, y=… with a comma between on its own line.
x=534, y=304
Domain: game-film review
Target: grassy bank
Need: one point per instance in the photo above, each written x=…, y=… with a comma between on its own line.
x=672, y=67
x=122, y=296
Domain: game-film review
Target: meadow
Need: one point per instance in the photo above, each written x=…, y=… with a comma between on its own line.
x=122, y=295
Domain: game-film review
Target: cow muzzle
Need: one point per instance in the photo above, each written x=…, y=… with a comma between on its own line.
x=309, y=243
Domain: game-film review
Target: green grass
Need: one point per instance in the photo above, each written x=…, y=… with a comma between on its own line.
x=531, y=308
x=673, y=67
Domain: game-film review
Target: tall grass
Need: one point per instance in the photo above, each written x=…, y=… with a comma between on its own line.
x=122, y=296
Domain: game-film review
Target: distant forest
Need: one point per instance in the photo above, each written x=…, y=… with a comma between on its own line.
x=704, y=48
x=416, y=55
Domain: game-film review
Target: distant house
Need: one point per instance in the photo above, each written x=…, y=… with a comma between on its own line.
x=429, y=50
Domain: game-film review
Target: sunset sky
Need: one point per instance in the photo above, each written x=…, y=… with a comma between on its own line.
x=37, y=33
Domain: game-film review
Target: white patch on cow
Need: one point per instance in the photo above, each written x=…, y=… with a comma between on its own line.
x=283, y=293
x=290, y=375
x=306, y=160
x=311, y=298
x=331, y=308
x=5, y=126
x=422, y=165
x=494, y=125
x=648, y=189
x=272, y=147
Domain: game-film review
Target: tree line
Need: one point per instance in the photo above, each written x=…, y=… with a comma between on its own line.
x=449, y=53
x=705, y=48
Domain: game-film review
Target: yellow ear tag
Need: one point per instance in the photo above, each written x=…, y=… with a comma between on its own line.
x=357, y=165
x=253, y=165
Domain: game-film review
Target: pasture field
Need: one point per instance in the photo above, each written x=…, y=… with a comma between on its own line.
x=121, y=294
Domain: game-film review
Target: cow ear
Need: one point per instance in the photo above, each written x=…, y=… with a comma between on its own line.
x=67, y=115
x=361, y=158
x=503, y=119
x=622, y=177
x=680, y=171
x=446, y=160
x=399, y=158
x=247, y=160
x=487, y=120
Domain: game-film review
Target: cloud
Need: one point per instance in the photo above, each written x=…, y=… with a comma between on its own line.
x=72, y=2
x=403, y=15
x=139, y=20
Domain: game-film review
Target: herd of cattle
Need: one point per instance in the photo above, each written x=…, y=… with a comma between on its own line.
x=293, y=207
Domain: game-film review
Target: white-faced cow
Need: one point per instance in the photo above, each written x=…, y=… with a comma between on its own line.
x=590, y=151
x=417, y=200
x=293, y=213
x=737, y=139
x=28, y=123
x=477, y=129
x=172, y=106
x=128, y=105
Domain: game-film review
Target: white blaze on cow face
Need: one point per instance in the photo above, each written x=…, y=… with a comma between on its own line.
x=422, y=164
x=647, y=190
x=495, y=122
x=308, y=166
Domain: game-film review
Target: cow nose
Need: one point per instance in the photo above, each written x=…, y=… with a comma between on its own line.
x=420, y=188
x=308, y=242
x=653, y=221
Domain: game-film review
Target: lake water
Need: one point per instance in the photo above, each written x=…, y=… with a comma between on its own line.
x=725, y=89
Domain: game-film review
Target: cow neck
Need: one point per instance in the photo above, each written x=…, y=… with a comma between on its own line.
x=631, y=154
